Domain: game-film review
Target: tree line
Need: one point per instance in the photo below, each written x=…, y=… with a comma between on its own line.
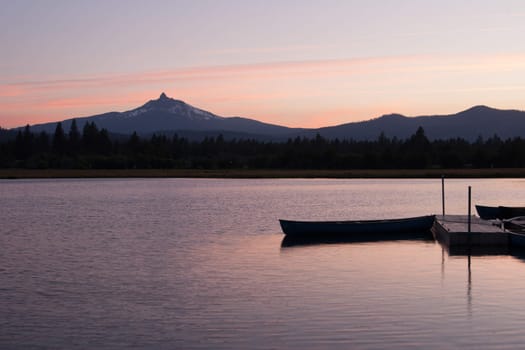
x=94, y=148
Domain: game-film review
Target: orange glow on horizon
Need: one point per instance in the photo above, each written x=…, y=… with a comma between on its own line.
x=296, y=94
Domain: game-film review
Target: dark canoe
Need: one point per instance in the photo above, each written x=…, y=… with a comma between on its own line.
x=511, y=212
x=517, y=239
x=516, y=231
x=487, y=213
x=390, y=226
x=499, y=212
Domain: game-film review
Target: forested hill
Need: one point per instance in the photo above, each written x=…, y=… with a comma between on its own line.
x=92, y=148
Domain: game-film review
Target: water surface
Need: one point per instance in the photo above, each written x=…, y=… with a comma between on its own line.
x=198, y=264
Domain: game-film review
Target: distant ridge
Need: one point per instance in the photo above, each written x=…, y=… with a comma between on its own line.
x=477, y=121
x=166, y=115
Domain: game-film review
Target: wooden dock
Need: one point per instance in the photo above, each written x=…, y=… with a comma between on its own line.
x=452, y=231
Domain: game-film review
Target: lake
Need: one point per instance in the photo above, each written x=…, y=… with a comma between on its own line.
x=198, y=264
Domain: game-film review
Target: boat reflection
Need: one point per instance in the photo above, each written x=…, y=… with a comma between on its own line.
x=294, y=241
x=517, y=253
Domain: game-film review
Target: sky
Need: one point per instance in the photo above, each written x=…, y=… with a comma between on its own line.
x=301, y=63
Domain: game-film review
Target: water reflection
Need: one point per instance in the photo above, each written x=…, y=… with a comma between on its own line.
x=517, y=253
x=469, y=288
x=474, y=250
x=293, y=241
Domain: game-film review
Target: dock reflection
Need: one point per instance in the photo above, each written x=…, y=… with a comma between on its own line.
x=475, y=250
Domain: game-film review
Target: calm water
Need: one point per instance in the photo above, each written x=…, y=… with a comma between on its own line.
x=198, y=264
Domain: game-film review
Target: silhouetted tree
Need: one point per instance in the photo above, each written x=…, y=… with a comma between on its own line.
x=74, y=137
x=42, y=142
x=59, y=140
x=104, y=145
x=90, y=137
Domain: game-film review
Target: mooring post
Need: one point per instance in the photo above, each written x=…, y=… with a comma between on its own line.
x=469, y=205
x=443, y=193
x=469, y=238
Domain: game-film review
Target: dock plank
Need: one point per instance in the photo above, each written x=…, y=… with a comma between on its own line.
x=453, y=230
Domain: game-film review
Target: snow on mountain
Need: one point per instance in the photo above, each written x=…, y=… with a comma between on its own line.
x=166, y=114
x=169, y=105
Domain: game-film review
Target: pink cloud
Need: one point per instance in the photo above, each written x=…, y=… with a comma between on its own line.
x=11, y=91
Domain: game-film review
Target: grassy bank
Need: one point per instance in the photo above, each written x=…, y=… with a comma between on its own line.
x=260, y=173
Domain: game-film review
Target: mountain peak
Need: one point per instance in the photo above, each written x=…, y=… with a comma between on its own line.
x=393, y=116
x=162, y=102
x=168, y=106
x=478, y=109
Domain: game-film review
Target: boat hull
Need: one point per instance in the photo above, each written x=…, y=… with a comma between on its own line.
x=516, y=232
x=368, y=227
x=517, y=239
x=487, y=213
x=500, y=212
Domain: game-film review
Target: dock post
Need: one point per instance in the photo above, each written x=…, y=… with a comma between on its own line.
x=469, y=205
x=443, y=193
x=469, y=224
x=469, y=220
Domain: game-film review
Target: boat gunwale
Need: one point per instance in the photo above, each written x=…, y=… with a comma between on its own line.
x=372, y=221
x=353, y=227
x=501, y=212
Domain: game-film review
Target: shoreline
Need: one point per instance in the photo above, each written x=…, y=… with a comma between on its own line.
x=259, y=173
